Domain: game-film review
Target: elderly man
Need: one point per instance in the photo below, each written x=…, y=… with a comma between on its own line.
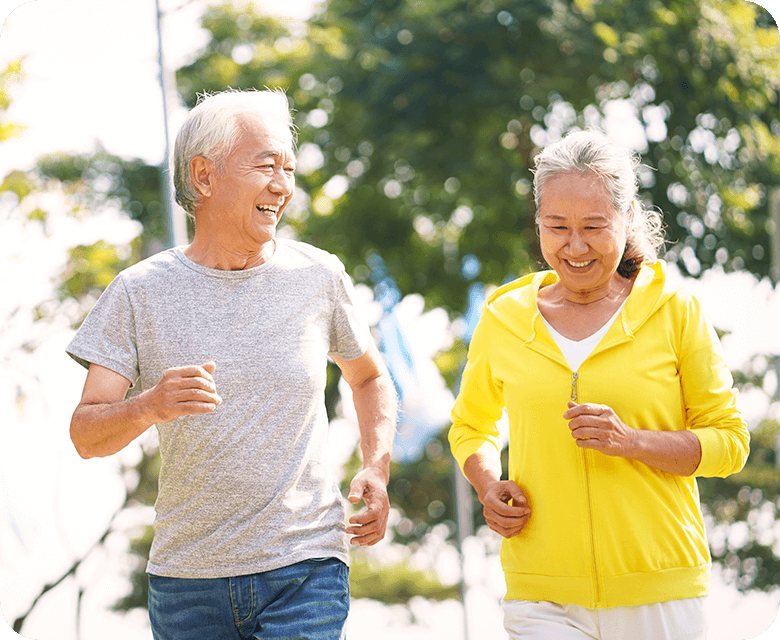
x=223, y=344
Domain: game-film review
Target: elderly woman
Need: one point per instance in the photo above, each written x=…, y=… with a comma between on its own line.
x=617, y=395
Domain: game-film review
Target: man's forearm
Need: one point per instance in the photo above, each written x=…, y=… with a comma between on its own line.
x=99, y=430
x=376, y=405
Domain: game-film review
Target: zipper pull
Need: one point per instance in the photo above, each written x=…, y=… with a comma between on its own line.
x=574, y=386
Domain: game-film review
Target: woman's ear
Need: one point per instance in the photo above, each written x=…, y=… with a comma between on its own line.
x=201, y=173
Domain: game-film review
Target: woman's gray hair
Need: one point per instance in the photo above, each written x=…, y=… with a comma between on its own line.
x=210, y=131
x=588, y=151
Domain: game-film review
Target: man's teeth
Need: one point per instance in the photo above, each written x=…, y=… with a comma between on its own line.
x=270, y=209
x=580, y=264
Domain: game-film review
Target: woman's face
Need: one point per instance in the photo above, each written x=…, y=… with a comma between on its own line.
x=582, y=235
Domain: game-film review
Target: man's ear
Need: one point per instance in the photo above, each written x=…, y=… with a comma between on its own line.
x=201, y=174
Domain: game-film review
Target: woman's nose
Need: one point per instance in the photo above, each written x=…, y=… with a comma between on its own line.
x=577, y=245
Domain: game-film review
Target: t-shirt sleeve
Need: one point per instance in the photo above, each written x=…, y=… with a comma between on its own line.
x=349, y=334
x=107, y=335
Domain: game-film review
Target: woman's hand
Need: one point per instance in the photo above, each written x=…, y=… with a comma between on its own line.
x=483, y=470
x=505, y=519
x=598, y=427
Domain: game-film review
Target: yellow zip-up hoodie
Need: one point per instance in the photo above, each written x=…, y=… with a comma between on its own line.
x=604, y=531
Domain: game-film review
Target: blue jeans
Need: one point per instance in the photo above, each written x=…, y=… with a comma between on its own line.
x=305, y=601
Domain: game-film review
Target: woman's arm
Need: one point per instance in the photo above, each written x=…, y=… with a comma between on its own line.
x=598, y=427
x=483, y=470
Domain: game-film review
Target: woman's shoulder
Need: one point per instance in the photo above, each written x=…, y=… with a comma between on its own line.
x=522, y=291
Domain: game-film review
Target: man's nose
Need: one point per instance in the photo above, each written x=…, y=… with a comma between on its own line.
x=282, y=183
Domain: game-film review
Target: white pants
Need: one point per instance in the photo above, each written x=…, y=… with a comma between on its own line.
x=671, y=620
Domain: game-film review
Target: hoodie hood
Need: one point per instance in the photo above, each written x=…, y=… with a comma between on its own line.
x=514, y=304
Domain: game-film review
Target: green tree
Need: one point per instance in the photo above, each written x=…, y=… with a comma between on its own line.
x=430, y=113
x=419, y=122
x=418, y=126
x=35, y=205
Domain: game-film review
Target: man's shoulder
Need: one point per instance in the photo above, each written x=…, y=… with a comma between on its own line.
x=164, y=263
x=303, y=254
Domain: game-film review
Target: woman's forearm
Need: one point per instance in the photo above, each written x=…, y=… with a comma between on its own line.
x=677, y=452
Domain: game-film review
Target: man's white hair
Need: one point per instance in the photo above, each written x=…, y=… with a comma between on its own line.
x=210, y=131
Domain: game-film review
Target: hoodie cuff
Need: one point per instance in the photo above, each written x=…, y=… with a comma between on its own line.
x=464, y=449
x=715, y=460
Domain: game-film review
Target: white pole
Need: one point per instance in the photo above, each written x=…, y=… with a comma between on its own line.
x=465, y=511
x=774, y=217
x=176, y=224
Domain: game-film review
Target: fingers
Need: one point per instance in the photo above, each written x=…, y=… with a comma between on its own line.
x=593, y=416
x=587, y=409
x=506, y=508
x=368, y=527
x=598, y=427
x=499, y=496
x=505, y=527
x=185, y=391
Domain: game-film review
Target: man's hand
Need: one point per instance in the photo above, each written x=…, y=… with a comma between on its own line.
x=368, y=527
x=104, y=422
x=505, y=519
x=183, y=391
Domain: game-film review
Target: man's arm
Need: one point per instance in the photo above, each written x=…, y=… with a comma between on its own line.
x=376, y=406
x=104, y=423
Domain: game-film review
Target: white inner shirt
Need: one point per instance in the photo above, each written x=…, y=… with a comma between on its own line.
x=576, y=351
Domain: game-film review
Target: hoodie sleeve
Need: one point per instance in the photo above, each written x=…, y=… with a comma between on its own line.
x=710, y=397
x=480, y=401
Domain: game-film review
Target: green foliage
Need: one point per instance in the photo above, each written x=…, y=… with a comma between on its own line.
x=18, y=183
x=91, y=269
x=138, y=596
x=423, y=491
x=419, y=120
x=102, y=179
x=11, y=74
x=395, y=583
x=742, y=510
x=93, y=182
x=432, y=112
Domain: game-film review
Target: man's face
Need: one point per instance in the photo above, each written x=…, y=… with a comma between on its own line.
x=254, y=184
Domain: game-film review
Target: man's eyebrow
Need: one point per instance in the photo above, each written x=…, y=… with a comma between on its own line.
x=270, y=153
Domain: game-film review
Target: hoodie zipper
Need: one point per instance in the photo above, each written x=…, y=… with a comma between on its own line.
x=596, y=583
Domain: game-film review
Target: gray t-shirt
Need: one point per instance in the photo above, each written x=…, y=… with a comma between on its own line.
x=248, y=487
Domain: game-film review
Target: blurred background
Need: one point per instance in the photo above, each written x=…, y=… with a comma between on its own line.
x=418, y=121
